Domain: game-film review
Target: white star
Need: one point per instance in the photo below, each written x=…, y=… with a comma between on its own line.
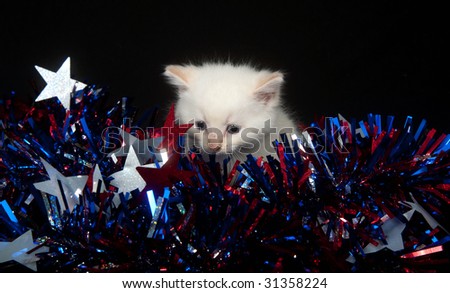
x=59, y=84
x=72, y=187
x=141, y=146
x=129, y=179
x=17, y=250
x=416, y=207
x=97, y=176
x=392, y=229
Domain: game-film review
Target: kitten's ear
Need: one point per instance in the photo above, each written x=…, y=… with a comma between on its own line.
x=268, y=89
x=179, y=76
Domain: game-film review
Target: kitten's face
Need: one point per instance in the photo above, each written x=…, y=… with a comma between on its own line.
x=228, y=105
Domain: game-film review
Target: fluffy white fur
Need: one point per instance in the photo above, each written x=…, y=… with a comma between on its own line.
x=224, y=94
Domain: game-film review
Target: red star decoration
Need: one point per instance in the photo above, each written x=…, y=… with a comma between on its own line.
x=171, y=132
x=158, y=178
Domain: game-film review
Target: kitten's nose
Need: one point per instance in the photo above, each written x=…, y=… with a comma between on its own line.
x=215, y=147
x=214, y=142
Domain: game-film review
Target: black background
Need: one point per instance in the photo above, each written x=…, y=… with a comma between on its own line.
x=353, y=58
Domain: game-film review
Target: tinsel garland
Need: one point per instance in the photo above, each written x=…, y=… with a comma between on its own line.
x=343, y=196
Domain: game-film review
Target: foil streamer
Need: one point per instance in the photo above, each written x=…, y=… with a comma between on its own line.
x=341, y=196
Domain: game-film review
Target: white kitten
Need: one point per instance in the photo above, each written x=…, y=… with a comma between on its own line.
x=235, y=109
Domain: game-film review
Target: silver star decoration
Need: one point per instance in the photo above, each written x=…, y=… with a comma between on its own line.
x=392, y=229
x=17, y=250
x=72, y=187
x=141, y=146
x=128, y=178
x=416, y=207
x=97, y=176
x=59, y=84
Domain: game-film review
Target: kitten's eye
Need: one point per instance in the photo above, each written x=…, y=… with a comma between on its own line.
x=200, y=125
x=233, y=128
